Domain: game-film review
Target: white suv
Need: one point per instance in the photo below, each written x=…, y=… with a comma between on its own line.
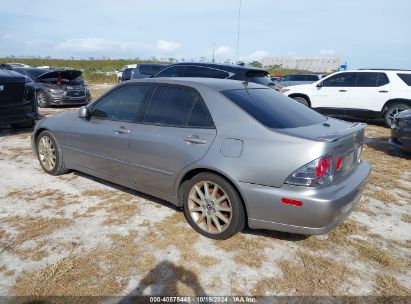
x=358, y=93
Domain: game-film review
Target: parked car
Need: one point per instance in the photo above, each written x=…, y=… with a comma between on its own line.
x=213, y=70
x=401, y=131
x=297, y=79
x=359, y=93
x=284, y=167
x=17, y=105
x=57, y=87
x=146, y=70
x=126, y=75
x=119, y=73
x=10, y=65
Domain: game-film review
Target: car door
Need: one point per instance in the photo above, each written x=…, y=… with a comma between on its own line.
x=100, y=143
x=333, y=92
x=176, y=131
x=371, y=91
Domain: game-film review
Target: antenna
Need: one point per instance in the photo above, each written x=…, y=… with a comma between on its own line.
x=238, y=32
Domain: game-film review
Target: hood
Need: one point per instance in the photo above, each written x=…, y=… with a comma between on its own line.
x=299, y=86
x=65, y=74
x=7, y=76
x=404, y=114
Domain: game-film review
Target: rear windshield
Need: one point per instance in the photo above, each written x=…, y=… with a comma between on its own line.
x=259, y=77
x=406, y=78
x=273, y=109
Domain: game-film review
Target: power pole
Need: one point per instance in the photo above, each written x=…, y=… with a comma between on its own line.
x=213, y=52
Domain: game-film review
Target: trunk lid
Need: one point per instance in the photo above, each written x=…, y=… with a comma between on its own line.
x=343, y=140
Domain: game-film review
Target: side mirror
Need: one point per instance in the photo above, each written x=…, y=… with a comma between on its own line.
x=320, y=84
x=83, y=113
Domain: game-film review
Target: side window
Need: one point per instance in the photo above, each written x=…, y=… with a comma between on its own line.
x=366, y=80
x=340, y=80
x=197, y=71
x=124, y=104
x=312, y=77
x=144, y=69
x=382, y=79
x=200, y=117
x=170, y=106
x=300, y=78
x=175, y=71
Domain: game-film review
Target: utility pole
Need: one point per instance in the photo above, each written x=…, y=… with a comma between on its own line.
x=213, y=52
x=238, y=32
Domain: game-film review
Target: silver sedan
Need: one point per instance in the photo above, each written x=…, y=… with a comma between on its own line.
x=229, y=153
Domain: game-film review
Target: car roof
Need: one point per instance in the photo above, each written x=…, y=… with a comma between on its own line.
x=213, y=83
x=227, y=67
x=379, y=70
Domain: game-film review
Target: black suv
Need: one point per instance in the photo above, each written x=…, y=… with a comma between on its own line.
x=143, y=70
x=17, y=104
x=222, y=71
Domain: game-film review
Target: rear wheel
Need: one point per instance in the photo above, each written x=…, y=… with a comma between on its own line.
x=212, y=206
x=301, y=100
x=393, y=110
x=49, y=154
x=41, y=99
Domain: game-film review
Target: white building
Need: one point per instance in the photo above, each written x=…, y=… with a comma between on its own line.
x=312, y=64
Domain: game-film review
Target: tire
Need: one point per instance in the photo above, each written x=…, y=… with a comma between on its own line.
x=393, y=110
x=41, y=99
x=47, y=146
x=210, y=217
x=23, y=125
x=301, y=100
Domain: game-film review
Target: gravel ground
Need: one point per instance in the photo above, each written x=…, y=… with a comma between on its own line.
x=78, y=235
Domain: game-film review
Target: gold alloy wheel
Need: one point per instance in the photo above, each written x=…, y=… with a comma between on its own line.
x=210, y=207
x=47, y=153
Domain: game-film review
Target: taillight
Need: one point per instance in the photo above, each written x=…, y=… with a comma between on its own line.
x=339, y=163
x=318, y=172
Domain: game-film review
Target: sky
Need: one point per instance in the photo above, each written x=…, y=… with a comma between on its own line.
x=365, y=33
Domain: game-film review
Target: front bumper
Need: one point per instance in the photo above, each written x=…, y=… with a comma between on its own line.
x=64, y=99
x=323, y=208
x=401, y=137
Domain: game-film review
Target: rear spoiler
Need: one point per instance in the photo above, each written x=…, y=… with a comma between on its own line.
x=352, y=130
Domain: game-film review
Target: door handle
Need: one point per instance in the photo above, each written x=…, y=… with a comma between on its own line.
x=342, y=90
x=383, y=91
x=121, y=130
x=194, y=139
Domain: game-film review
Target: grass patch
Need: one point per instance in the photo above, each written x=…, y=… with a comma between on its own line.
x=389, y=286
x=306, y=276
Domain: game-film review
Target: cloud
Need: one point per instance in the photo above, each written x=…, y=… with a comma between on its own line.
x=257, y=55
x=327, y=52
x=223, y=50
x=6, y=36
x=92, y=45
x=167, y=46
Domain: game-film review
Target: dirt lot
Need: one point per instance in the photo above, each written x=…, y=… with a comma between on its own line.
x=77, y=235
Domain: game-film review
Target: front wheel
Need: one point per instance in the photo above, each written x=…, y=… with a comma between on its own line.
x=393, y=110
x=49, y=154
x=212, y=206
x=41, y=99
x=301, y=100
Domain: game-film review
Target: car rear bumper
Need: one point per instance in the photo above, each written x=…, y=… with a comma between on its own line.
x=401, y=138
x=322, y=210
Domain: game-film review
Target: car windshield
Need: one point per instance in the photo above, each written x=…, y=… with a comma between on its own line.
x=34, y=73
x=273, y=109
